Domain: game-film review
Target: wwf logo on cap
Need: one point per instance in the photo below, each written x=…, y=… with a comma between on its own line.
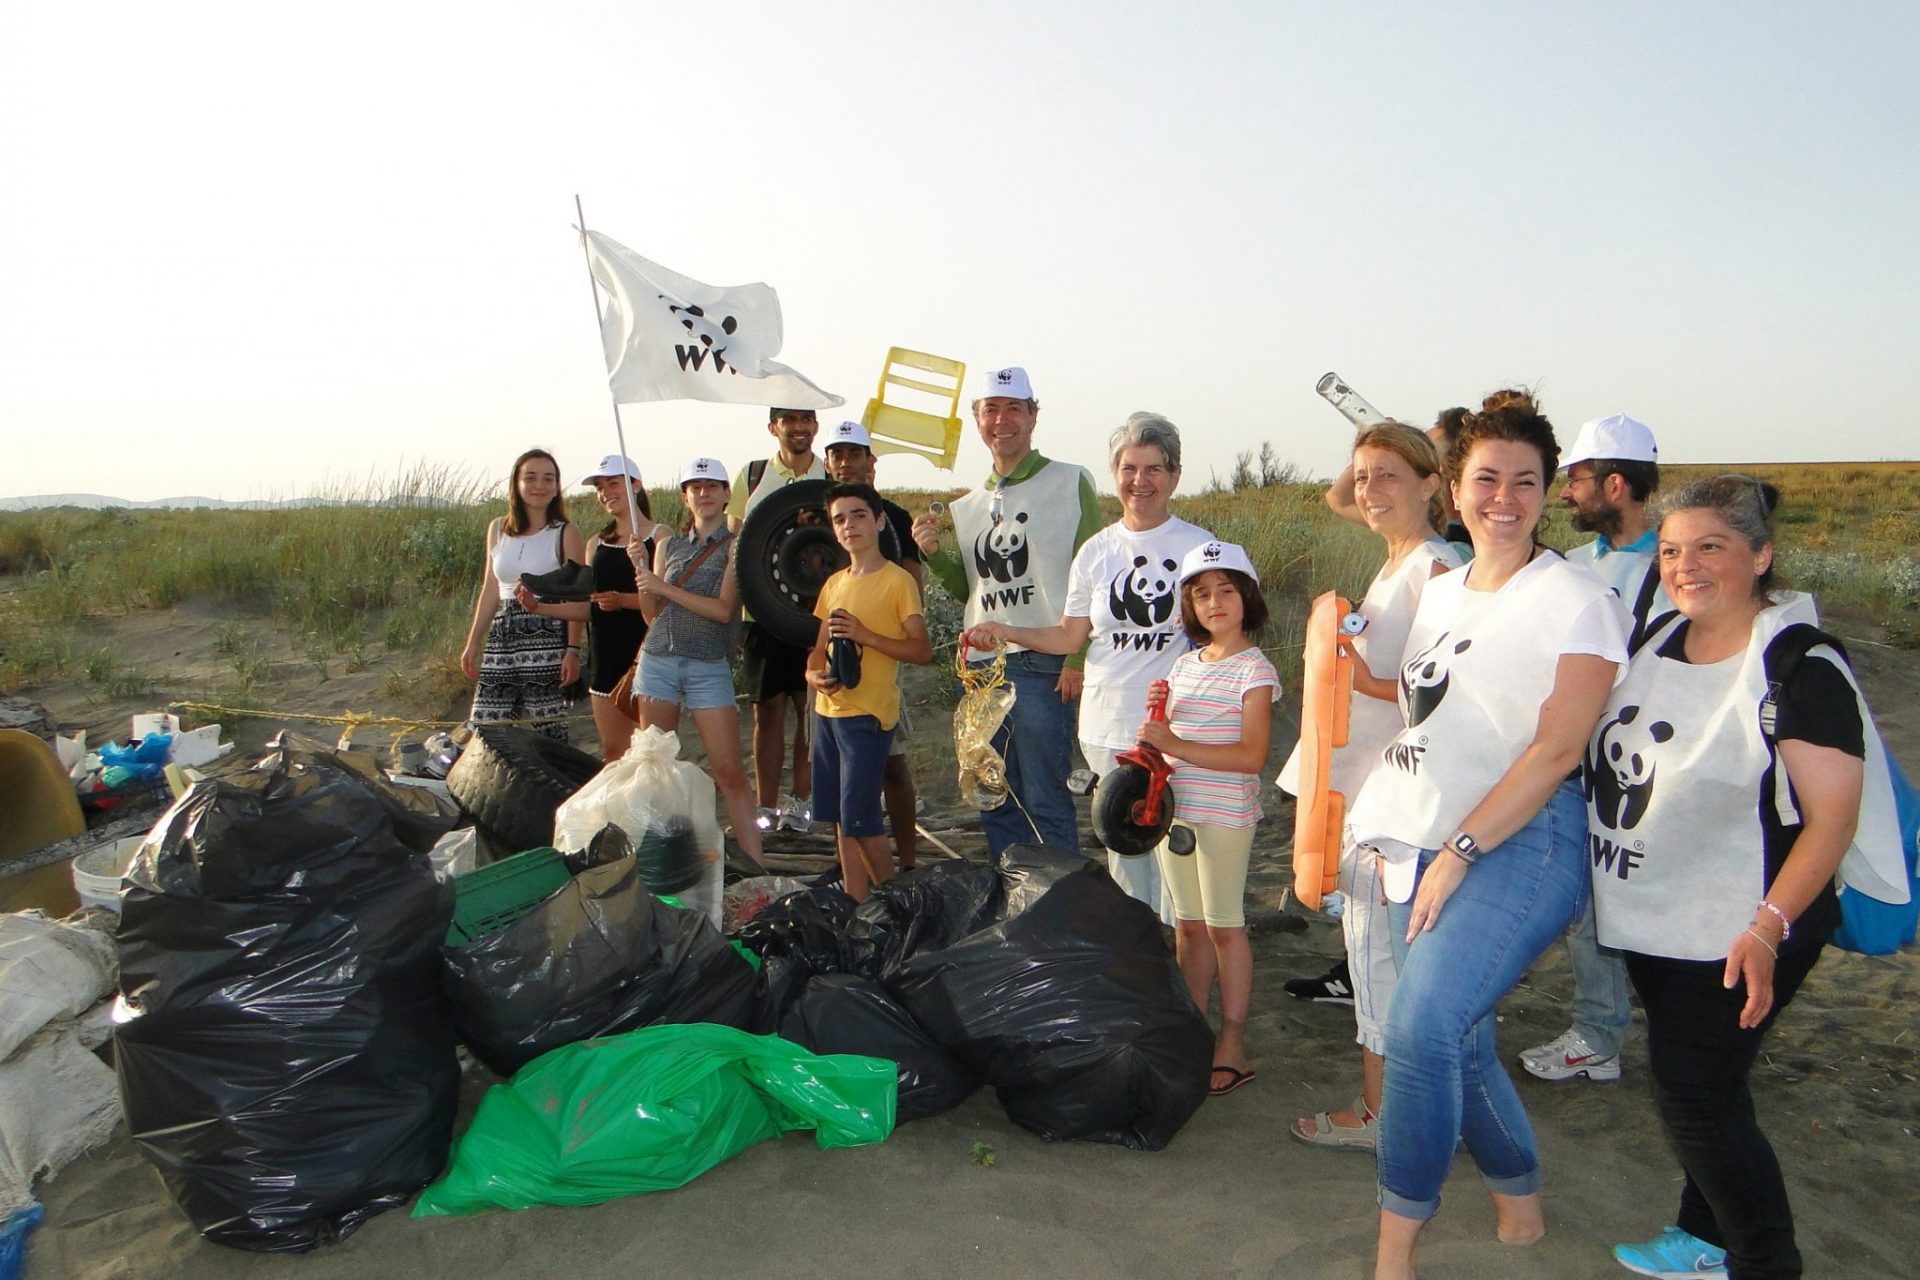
x=1003, y=377
x=703, y=466
x=1213, y=551
x=844, y=429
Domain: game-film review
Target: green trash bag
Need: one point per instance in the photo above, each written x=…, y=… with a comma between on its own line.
x=650, y=1110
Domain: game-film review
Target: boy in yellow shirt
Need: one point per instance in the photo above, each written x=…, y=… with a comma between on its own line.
x=871, y=619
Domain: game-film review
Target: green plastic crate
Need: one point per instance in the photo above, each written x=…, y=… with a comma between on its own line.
x=494, y=896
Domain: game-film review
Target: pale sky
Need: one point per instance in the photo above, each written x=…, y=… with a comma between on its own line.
x=246, y=249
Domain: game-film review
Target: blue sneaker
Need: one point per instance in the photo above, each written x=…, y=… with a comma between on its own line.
x=1675, y=1255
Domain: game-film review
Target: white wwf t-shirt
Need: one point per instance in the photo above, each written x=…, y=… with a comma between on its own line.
x=1127, y=584
x=1479, y=666
x=1391, y=602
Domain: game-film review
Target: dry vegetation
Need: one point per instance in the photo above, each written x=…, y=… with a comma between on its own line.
x=389, y=573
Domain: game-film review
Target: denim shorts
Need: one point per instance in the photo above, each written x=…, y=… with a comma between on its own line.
x=698, y=684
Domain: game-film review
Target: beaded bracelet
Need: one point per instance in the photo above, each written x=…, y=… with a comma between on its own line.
x=1786, y=925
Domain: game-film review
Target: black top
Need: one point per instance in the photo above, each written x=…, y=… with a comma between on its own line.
x=613, y=635
x=1815, y=705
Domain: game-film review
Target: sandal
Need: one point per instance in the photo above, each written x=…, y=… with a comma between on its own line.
x=1235, y=1078
x=1321, y=1131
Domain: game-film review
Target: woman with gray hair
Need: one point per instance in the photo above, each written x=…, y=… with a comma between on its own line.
x=1123, y=603
x=1734, y=770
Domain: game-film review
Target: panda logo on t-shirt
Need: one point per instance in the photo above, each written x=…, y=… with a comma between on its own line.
x=1424, y=679
x=1144, y=593
x=1619, y=774
x=1000, y=552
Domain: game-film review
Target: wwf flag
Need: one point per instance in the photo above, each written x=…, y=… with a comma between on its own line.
x=671, y=338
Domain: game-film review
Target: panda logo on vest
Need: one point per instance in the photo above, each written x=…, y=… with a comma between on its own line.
x=1000, y=551
x=1425, y=677
x=1620, y=770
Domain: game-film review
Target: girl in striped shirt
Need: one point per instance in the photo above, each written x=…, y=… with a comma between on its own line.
x=1219, y=702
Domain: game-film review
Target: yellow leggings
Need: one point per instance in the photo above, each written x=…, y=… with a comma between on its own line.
x=1211, y=882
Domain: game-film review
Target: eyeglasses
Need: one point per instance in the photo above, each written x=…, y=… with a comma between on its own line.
x=1573, y=479
x=996, y=505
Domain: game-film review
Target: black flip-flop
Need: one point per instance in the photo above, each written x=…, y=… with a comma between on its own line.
x=1235, y=1078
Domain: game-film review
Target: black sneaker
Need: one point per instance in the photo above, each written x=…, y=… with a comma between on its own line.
x=1335, y=986
x=570, y=581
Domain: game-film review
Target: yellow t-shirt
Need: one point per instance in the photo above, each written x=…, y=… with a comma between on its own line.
x=883, y=601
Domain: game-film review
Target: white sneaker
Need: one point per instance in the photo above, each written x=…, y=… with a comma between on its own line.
x=796, y=814
x=1568, y=1056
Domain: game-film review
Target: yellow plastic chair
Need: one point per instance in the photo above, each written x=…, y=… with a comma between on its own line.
x=897, y=428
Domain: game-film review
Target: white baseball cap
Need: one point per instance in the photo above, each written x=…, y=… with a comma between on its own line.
x=1217, y=555
x=613, y=464
x=1618, y=438
x=1010, y=382
x=705, y=469
x=848, y=433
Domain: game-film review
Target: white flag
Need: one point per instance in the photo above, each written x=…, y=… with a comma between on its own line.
x=671, y=338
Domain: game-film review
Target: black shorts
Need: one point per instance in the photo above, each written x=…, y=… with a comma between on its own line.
x=773, y=668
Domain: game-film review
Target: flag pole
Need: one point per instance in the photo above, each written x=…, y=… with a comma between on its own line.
x=619, y=432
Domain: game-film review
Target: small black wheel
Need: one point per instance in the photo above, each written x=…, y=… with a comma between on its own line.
x=787, y=552
x=1113, y=801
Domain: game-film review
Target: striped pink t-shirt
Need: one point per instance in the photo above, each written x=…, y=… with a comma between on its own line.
x=1203, y=705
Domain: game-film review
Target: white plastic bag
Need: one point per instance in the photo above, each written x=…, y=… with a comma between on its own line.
x=666, y=807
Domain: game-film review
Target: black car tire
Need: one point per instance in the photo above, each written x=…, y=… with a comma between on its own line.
x=787, y=552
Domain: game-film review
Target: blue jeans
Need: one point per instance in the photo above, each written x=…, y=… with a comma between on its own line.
x=1037, y=743
x=1444, y=1079
x=1600, y=1008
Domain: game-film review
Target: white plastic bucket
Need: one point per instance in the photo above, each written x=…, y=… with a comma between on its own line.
x=97, y=873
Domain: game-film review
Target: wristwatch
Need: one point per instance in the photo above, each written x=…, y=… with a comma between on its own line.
x=1464, y=846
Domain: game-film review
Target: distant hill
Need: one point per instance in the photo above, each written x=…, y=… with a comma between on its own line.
x=101, y=502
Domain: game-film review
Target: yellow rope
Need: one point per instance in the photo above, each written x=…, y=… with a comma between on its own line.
x=352, y=720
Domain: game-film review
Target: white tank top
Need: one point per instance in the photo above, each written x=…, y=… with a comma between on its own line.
x=528, y=553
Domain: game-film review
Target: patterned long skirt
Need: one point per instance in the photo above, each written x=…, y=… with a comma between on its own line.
x=520, y=671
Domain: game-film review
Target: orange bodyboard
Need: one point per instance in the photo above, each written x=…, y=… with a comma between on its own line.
x=1326, y=697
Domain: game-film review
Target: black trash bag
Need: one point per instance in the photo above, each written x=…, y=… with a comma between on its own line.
x=778, y=984
x=845, y=1013
x=599, y=956
x=811, y=927
x=1071, y=1007
x=512, y=780
x=926, y=909
x=289, y=1065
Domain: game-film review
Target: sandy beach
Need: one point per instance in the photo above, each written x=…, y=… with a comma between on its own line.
x=1232, y=1196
